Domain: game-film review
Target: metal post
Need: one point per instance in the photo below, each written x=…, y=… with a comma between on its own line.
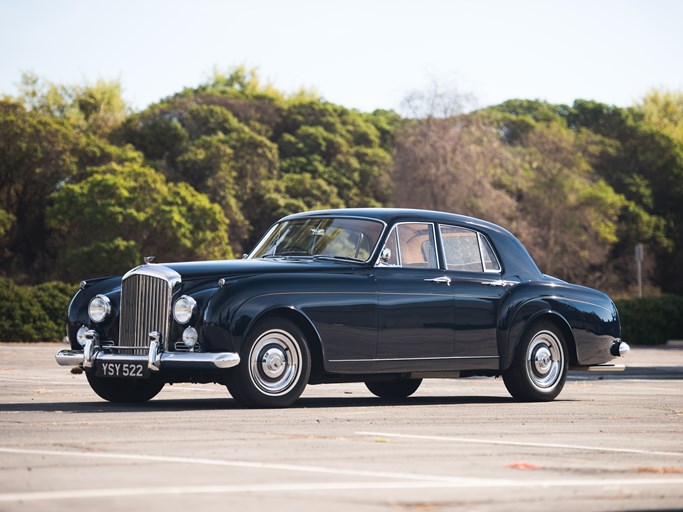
x=639, y=261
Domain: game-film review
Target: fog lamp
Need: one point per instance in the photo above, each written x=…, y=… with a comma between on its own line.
x=190, y=337
x=80, y=335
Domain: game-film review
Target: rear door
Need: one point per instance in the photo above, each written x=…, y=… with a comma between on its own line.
x=476, y=278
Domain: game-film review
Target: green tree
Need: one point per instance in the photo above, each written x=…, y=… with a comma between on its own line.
x=137, y=213
x=37, y=155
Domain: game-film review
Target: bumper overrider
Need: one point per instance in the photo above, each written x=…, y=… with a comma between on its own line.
x=156, y=359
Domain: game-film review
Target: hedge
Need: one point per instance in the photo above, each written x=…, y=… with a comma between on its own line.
x=38, y=313
x=34, y=313
x=651, y=320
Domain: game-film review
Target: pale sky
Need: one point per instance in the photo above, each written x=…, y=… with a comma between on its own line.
x=363, y=54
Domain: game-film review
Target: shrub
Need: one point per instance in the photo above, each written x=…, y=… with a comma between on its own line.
x=651, y=320
x=33, y=313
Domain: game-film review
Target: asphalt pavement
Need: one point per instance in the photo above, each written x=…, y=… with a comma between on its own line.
x=611, y=441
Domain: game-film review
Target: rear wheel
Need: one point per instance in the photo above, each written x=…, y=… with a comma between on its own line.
x=124, y=390
x=394, y=388
x=539, y=370
x=275, y=366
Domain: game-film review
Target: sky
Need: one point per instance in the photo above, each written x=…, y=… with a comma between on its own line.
x=363, y=54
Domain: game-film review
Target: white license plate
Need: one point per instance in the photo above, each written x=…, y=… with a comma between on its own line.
x=122, y=370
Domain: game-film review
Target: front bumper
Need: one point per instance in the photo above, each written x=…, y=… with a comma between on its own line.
x=156, y=359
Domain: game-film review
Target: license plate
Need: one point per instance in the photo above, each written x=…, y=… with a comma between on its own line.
x=122, y=370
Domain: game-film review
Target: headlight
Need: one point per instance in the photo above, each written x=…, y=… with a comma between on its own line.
x=190, y=337
x=99, y=308
x=183, y=309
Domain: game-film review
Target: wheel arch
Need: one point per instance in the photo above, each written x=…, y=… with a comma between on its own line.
x=307, y=327
x=523, y=322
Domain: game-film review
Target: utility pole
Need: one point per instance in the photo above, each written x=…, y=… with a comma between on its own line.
x=639, y=260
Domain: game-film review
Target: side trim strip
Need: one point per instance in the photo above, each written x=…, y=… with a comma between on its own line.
x=411, y=359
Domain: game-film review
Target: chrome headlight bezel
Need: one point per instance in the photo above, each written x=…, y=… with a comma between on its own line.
x=99, y=308
x=183, y=309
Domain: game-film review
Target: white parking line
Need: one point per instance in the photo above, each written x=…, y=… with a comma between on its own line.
x=400, y=480
x=229, y=463
x=469, y=440
x=452, y=483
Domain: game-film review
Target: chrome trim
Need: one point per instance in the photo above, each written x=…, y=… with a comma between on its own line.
x=154, y=357
x=164, y=360
x=146, y=294
x=481, y=239
x=442, y=279
x=444, y=358
x=159, y=271
x=193, y=307
x=399, y=258
x=107, y=307
x=313, y=216
x=481, y=254
x=89, y=348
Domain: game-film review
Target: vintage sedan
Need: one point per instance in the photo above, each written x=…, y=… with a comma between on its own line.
x=387, y=297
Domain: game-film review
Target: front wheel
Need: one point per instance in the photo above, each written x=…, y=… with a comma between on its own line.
x=275, y=366
x=394, y=388
x=124, y=390
x=539, y=369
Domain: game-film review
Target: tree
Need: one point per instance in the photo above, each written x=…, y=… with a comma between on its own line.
x=91, y=108
x=137, y=213
x=574, y=212
x=37, y=155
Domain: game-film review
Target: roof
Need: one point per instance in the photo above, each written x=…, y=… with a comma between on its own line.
x=391, y=215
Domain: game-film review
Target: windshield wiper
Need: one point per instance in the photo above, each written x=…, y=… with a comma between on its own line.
x=336, y=258
x=286, y=253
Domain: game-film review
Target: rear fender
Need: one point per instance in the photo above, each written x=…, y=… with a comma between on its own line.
x=525, y=315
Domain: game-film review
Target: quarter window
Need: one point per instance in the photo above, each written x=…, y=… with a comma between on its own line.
x=467, y=251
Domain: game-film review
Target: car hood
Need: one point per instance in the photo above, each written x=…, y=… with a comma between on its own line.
x=230, y=268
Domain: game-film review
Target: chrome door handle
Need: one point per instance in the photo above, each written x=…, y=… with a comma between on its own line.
x=442, y=279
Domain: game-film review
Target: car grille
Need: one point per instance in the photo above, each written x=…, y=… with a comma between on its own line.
x=145, y=307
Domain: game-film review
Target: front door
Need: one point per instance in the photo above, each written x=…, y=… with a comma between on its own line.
x=416, y=314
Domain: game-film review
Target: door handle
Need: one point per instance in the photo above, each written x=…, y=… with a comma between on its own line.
x=442, y=279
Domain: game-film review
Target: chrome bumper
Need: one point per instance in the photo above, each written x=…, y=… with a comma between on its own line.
x=155, y=359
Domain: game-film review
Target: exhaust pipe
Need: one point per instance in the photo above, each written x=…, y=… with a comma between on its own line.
x=619, y=348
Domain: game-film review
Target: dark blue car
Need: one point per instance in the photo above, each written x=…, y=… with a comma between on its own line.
x=382, y=296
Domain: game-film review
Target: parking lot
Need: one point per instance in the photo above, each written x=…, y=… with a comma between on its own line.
x=609, y=442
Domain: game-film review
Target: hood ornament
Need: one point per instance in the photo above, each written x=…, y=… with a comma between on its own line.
x=148, y=259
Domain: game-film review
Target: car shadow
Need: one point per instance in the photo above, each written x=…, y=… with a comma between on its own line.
x=632, y=372
x=206, y=404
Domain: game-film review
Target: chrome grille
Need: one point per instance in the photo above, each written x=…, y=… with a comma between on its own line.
x=146, y=306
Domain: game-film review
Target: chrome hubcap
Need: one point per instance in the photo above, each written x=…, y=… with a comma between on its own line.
x=275, y=362
x=545, y=360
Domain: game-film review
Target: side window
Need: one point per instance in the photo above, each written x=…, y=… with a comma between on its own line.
x=467, y=251
x=461, y=249
x=490, y=261
x=411, y=245
x=392, y=245
x=416, y=245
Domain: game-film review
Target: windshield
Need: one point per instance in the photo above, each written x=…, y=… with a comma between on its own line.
x=338, y=238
